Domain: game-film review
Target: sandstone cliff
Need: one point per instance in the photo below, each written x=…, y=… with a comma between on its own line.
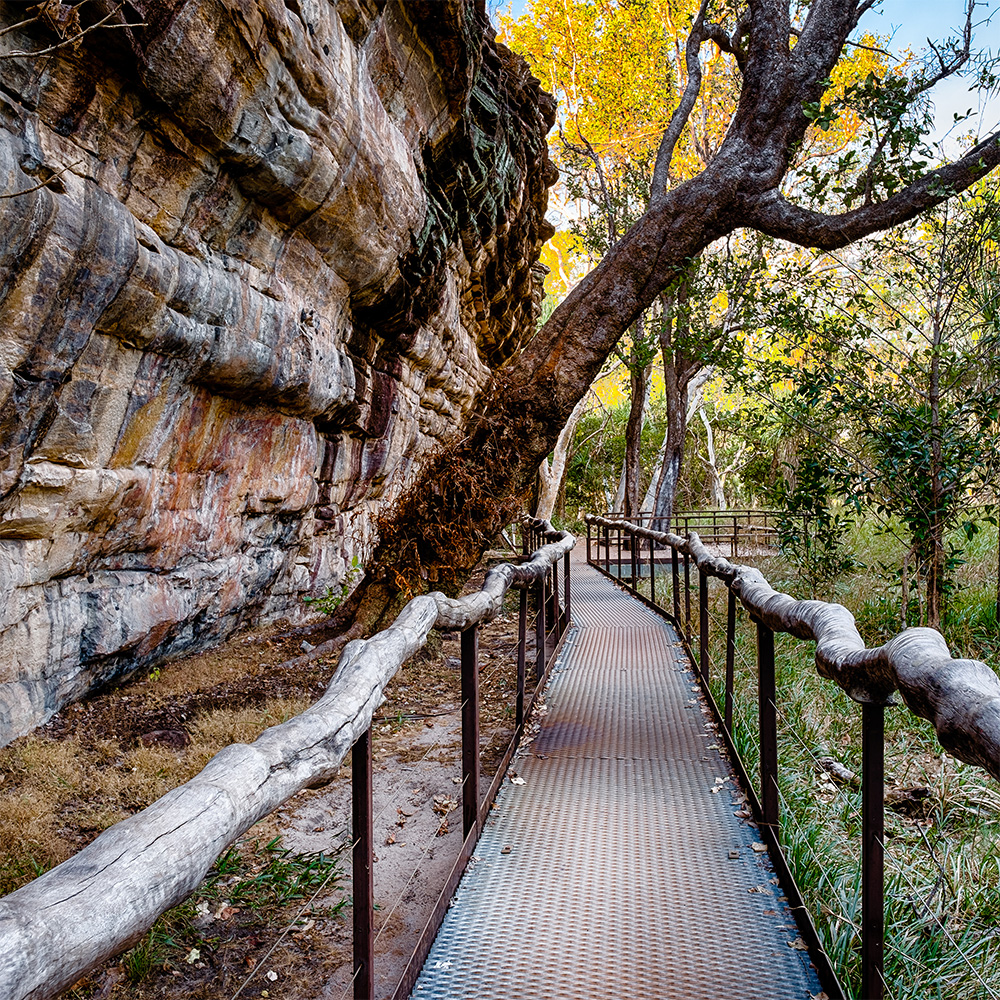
x=256, y=260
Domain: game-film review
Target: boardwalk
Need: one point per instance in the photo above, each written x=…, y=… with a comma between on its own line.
x=610, y=872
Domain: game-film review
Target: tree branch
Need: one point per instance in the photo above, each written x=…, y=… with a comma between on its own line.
x=661, y=170
x=774, y=215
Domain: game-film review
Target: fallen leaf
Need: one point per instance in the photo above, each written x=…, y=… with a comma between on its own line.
x=272, y=976
x=759, y=888
x=742, y=813
x=759, y=848
x=390, y=839
x=443, y=804
x=798, y=944
x=193, y=956
x=442, y=829
x=517, y=780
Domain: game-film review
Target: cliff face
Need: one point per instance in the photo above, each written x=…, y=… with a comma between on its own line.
x=256, y=260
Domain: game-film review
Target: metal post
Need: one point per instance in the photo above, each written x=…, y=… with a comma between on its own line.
x=652, y=571
x=766, y=695
x=872, y=850
x=607, y=550
x=470, y=730
x=736, y=539
x=687, y=597
x=588, y=543
x=566, y=595
x=618, y=563
x=522, y=626
x=554, y=616
x=631, y=549
x=362, y=876
x=540, y=654
x=675, y=580
x=730, y=659
x=703, y=664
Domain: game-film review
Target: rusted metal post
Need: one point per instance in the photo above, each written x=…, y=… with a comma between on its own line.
x=703, y=662
x=652, y=571
x=470, y=729
x=618, y=563
x=588, y=543
x=730, y=659
x=766, y=700
x=362, y=876
x=872, y=850
x=607, y=550
x=555, y=620
x=687, y=597
x=540, y=631
x=565, y=624
x=522, y=627
x=525, y=534
x=736, y=539
x=732, y=539
x=675, y=580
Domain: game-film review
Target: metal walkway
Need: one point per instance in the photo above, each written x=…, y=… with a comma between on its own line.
x=618, y=870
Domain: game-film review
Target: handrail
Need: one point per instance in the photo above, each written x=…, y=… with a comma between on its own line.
x=960, y=697
x=104, y=898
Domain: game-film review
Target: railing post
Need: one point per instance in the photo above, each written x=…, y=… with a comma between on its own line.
x=618, y=562
x=470, y=730
x=566, y=594
x=872, y=850
x=675, y=580
x=730, y=658
x=736, y=539
x=540, y=631
x=588, y=543
x=703, y=663
x=607, y=550
x=631, y=550
x=362, y=876
x=652, y=571
x=768, y=713
x=687, y=597
x=554, y=616
x=522, y=627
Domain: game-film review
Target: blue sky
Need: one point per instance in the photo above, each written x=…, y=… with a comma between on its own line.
x=910, y=22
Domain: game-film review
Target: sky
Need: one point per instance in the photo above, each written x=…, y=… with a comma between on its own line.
x=909, y=23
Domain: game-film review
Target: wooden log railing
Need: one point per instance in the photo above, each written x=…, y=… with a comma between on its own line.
x=103, y=899
x=960, y=697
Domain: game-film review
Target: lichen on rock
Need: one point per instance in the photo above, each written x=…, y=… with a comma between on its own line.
x=257, y=262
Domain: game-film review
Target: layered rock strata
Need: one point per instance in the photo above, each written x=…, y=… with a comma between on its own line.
x=256, y=262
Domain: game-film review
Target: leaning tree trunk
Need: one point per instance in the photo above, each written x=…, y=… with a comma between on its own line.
x=460, y=502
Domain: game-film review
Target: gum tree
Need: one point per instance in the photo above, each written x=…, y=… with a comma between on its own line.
x=784, y=55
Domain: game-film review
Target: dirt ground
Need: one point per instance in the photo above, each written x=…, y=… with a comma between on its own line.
x=98, y=761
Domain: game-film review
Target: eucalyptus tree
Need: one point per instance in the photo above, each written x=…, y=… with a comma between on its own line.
x=783, y=56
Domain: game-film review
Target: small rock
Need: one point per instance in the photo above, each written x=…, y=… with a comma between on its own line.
x=307, y=647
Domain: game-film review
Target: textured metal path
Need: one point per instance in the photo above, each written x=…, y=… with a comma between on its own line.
x=618, y=882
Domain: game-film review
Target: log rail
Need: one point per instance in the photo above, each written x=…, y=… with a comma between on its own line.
x=960, y=697
x=103, y=899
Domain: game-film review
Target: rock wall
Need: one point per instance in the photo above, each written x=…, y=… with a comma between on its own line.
x=256, y=260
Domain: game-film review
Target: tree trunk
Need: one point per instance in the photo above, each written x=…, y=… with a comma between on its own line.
x=639, y=380
x=552, y=475
x=715, y=480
